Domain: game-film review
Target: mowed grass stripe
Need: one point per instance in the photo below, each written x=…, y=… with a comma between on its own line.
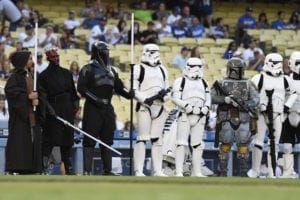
x=148, y=188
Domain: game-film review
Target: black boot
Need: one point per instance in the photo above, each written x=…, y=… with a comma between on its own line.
x=88, y=153
x=106, y=158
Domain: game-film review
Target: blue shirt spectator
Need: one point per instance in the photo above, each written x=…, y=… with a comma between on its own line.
x=180, y=30
x=247, y=21
x=186, y=16
x=179, y=61
x=232, y=47
x=197, y=30
x=90, y=21
x=220, y=30
x=279, y=24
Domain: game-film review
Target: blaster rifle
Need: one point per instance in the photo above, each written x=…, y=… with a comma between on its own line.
x=162, y=93
x=245, y=108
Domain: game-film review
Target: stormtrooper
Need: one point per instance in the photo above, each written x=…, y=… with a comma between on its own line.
x=232, y=120
x=151, y=86
x=270, y=79
x=291, y=126
x=97, y=83
x=191, y=95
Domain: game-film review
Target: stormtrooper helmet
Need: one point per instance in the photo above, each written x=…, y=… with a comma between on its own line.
x=273, y=64
x=193, y=68
x=294, y=62
x=235, y=68
x=150, y=55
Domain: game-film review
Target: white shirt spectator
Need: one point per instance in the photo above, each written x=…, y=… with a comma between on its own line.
x=249, y=54
x=172, y=19
x=96, y=33
x=117, y=40
x=166, y=31
x=27, y=43
x=48, y=41
x=71, y=24
x=41, y=67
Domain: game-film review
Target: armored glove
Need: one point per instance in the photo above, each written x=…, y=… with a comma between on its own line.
x=229, y=100
x=188, y=109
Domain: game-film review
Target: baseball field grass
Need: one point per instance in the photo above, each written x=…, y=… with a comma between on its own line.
x=146, y=188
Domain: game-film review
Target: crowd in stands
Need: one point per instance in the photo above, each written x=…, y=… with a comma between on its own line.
x=155, y=19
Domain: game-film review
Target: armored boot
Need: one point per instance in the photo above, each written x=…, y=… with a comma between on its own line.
x=223, y=162
x=243, y=167
x=139, y=158
x=88, y=153
x=196, y=161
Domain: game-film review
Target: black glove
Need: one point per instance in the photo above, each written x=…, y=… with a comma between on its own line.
x=131, y=94
x=286, y=109
x=161, y=95
x=148, y=101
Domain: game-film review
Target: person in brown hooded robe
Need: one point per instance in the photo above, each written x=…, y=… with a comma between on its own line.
x=21, y=98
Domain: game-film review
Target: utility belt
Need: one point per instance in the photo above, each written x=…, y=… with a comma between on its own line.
x=60, y=98
x=232, y=115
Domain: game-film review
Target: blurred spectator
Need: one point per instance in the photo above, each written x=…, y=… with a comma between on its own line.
x=186, y=16
x=137, y=34
x=294, y=21
x=19, y=46
x=74, y=69
x=246, y=21
x=110, y=12
x=24, y=9
x=123, y=13
x=204, y=9
x=5, y=70
x=3, y=57
x=149, y=35
x=48, y=38
x=232, y=47
x=180, y=30
x=197, y=30
x=5, y=37
x=78, y=118
x=163, y=29
x=10, y=12
x=98, y=32
x=238, y=54
x=279, y=24
x=179, y=61
x=88, y=6
x=3, y=110
x=68, y=41
x=90, y=21
x=143, y=13
x=195, y=52
x=263, y=21
x=119, y=33
x=98, y=8
x=161, y=12
x=28, y=38
x=219, y=30
x=175, y=16
x=40, y=64
x=249, y=52
x=35, y=16
x=71, y=23
x=258, y=62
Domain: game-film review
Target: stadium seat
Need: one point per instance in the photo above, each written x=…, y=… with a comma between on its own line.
x=190, y=42
x=169, y=41
x=206, y=42
x=223, y=42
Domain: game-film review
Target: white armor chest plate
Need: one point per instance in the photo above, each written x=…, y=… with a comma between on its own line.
x=194, y=92
x=296, y=86
x=278, y=97
x=153, y=81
